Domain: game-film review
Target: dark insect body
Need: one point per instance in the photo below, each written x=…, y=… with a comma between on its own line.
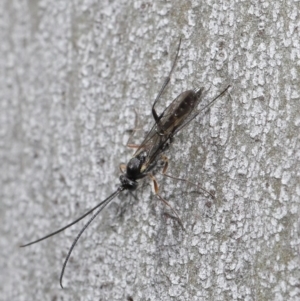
x=177, y=115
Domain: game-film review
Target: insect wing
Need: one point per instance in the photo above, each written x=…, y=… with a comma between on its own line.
x=173, y=118
x=178, y=113
x=152, y=145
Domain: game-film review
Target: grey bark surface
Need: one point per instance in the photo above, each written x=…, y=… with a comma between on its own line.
x=71, y=75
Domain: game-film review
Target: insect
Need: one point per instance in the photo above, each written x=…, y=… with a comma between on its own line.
x=176, y=116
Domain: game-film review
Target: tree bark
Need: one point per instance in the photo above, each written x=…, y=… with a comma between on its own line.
x=73, y=73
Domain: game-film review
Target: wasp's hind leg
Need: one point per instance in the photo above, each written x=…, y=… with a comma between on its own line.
x=165, y=167
x=156, y=191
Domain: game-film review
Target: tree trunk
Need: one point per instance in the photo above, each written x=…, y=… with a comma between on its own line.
x=72, y=75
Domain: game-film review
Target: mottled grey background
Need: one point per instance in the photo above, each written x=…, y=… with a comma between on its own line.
x=71, y=74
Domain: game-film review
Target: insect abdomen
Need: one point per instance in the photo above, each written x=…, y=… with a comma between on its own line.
x=186, y=104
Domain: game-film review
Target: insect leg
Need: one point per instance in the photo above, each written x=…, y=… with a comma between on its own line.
x=165, y=160
x=131, y=145
x=122, y=167
x=156, y=189
x=136, y=128
x=166, y=164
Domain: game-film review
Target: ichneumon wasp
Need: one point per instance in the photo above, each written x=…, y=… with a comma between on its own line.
x=176, y=116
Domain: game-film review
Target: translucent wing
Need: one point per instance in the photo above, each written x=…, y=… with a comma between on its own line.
x=173, y=118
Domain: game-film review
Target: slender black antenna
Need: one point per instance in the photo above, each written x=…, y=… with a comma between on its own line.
x=71, y=224
x=104, y=203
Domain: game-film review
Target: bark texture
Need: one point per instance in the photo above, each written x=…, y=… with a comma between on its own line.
x=71, y=75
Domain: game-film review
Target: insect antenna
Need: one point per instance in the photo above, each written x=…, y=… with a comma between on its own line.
x=77, y=220
x=104, y=204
